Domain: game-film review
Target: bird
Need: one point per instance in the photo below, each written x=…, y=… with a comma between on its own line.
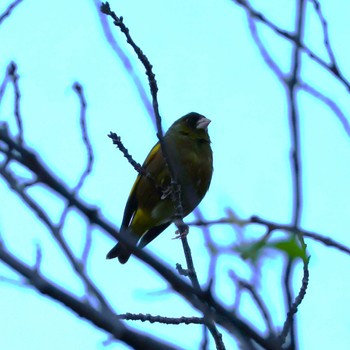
x=150, y=208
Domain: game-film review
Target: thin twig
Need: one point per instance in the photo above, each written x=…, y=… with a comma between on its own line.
x=326, y=40
x=13, y=75
x=264, y=52
x=334, y=70
x=256, y=298
x=86, y=140
x=38, y=258
x=89, y=150
x=127, y=63
x=210, y=245
x=3, y=85
x=87, y=247
x=104, y=319
x=14, y=282
x=118, y=21
x=9, y=10
x=298, y=300
x=55, y=232
x=272, y=226
x=329, y=102
x=191, y=272
x=137, y=166
x=161, y=319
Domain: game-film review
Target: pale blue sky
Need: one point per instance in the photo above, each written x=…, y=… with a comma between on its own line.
x=205, y=61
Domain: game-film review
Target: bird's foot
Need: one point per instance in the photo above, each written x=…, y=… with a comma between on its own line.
x=182, y=229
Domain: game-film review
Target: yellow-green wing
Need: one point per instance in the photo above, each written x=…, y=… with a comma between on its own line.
x=144, y=195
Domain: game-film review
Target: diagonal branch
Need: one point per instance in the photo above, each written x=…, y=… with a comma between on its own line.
x=128, y=66
x=9, y=10
x=104, y=318
x=330, y=67
x=56, y=234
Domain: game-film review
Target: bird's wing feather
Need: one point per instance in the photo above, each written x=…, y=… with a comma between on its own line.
x=151, y=234
x=132, y=203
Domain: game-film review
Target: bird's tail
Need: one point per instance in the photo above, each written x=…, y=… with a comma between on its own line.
x=119, y=251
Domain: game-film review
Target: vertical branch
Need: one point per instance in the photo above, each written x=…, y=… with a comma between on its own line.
x=294, y=307
x=12, y=73
x=210, y=245
x=195, y=283
x=292, y=87
x=89, y=151
x=291, y=84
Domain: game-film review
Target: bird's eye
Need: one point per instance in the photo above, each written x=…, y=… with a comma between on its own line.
x=185, y=133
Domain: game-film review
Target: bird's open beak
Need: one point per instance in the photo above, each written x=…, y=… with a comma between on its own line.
x=203, y=123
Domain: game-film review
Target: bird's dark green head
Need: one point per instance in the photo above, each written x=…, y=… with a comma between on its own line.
x=193, y=125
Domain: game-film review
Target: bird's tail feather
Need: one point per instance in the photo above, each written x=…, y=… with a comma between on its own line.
x=119, y=251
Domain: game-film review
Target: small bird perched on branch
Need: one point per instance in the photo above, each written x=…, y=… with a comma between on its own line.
x=150, y=208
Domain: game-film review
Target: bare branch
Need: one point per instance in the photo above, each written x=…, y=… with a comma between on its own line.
x=56, y=234
x=161, y=319
x=192, y=274
x=118, y=21
x=259, y=302
x=4, y=85
x=103, y=318
x=87, y=247
x=264, y=52
x=315, y=236
x=12, y=73
x=329, y=102
x=14, y=282
x=9, y=10
x=334, y=70
x=128, y=66
x=137, y=166
x=298, y=300
x=211, y=248
x=38, y=259
x=272, y=226
x=89, y=151
x=327, y=42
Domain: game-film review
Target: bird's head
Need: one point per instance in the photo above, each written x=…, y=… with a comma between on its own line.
x=193, y=125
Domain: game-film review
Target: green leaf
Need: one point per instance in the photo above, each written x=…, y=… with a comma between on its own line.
x=251, y=251
x=291, y=247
